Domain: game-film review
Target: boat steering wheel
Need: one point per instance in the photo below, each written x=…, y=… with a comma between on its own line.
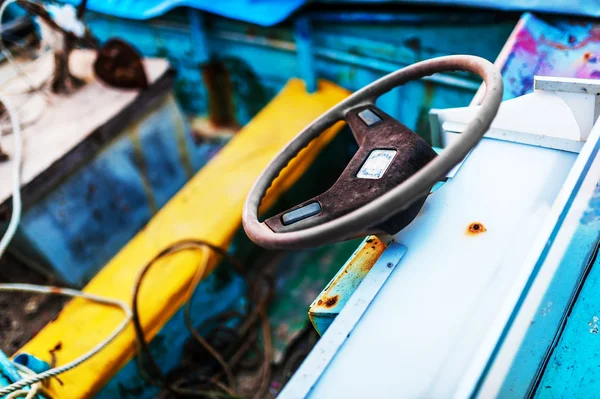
x=385, y=184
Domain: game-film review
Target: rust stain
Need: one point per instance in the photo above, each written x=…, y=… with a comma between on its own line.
x=476, y=228
x=338, y=290
x=180, y=136
x=357, y=267
x=52, y=353
x=329, y=302
x=221, y=107
x=119, y=65
x=332, y=301
x=140, y=163
x=363, y=261
x=56, y=290
x=558, y=46
x=414, y=44
x=251, y=31
x=594, y=37
x=3, y=156
x=423, y=128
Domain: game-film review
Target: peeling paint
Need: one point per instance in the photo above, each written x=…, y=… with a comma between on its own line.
x=594, y=325
x=546, y=309
x=182, y=147
x=335, y=295
x=138, y=158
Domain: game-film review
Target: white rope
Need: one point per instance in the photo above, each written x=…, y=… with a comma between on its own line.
x=15, y=217
x=7, y=52
x=35, y=388
x=16, y=390
x=71, y=293
x=18, y=145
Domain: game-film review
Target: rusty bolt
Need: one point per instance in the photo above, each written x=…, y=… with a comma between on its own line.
x=476, y=228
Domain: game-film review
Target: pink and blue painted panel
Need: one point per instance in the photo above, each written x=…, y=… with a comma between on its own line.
x=554, y=48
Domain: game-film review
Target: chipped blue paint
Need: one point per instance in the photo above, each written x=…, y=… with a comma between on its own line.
x=572, y=370
x=524, y=377
x=86, y=220
x=538, y=343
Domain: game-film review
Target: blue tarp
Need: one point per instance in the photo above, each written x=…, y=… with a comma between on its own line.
x=271, y=12
x=260, y=12
x=589, y=8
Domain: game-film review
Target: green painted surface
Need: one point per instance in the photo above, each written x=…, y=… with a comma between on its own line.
x=301, y=276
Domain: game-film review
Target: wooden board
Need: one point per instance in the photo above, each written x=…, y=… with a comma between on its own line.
x=60, y=132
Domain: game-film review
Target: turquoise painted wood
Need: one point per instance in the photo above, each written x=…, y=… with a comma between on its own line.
x=572, y=370
x=248, y=64
x=560, y=305
x=90, y=216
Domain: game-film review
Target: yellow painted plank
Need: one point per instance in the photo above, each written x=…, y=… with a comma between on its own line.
x=208, y=207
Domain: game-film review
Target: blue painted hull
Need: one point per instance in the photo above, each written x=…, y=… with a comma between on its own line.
x=82, y=223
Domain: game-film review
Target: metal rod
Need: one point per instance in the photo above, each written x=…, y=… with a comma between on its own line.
x=305, y=53
x=357, y=60
x=198, y=36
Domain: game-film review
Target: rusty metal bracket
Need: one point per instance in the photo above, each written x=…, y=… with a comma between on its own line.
x=327, y=306
x=320, y=357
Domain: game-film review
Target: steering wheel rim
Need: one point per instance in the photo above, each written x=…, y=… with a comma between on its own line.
x=360, y=221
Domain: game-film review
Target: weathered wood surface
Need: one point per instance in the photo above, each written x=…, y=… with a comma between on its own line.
x=61, y=132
